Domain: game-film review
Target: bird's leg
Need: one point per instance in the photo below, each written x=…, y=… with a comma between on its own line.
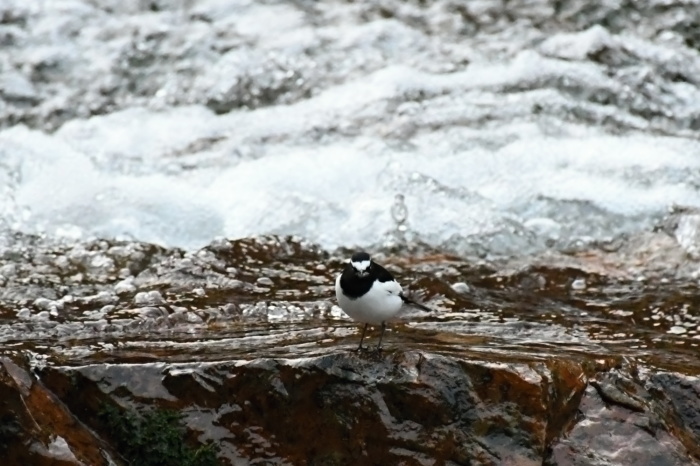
x=379, y=345
x=359, y=348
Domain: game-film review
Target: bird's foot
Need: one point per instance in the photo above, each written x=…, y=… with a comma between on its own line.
x=375, y=353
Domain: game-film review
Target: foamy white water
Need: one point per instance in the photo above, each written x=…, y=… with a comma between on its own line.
x=315, y=129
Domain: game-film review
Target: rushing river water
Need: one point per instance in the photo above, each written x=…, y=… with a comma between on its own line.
x=507, y=129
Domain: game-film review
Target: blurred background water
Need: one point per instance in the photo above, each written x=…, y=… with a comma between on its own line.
x=482, y=127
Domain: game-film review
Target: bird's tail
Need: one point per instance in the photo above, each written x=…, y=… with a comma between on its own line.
x=413, y=302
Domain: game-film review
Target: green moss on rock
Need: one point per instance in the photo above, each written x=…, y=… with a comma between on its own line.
x=154, y=438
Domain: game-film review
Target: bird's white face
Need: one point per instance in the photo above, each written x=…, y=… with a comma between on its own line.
x=361, y=268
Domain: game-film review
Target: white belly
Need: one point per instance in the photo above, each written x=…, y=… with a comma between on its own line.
x=380, y=304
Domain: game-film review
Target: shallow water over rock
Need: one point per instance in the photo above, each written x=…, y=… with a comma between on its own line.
x=516, y=365
x=105, y=299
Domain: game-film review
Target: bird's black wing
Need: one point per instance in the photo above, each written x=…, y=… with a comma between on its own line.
x=381, y=274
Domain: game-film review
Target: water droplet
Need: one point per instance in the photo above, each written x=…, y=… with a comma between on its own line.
x=399, y=212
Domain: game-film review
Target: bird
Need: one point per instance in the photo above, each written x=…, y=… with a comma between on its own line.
x=369, y=294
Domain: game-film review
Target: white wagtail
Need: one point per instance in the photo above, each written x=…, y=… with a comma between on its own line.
x=369, y=294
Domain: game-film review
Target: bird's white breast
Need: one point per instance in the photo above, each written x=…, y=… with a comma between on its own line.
x=381, y=303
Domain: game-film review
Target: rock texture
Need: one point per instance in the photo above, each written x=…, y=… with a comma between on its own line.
x=628, y=421
x=118, y=353
x=402, y=407
x=37, y=428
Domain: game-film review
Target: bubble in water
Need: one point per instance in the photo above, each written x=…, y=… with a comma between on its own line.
x=400, y=235
x=399, y=212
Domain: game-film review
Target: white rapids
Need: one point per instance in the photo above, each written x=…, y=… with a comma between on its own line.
x=509, y=140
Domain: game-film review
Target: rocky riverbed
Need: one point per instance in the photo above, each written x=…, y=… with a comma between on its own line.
x=588, y=358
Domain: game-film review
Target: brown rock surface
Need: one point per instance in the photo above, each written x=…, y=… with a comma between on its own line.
x=548, y=363
x=631, y=422
x=36, y=428
x=403, y=407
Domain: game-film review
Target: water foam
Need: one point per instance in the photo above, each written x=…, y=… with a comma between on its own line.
x=526, y=146
x=341, y=193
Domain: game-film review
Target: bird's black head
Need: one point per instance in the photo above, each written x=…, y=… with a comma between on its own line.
x=360, y=263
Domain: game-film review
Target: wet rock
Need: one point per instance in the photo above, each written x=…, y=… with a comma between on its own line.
x=150, y=298
x=460, y=287
x=399, y=408
x=383, y=410
x=679, y=396
x=515, y=366
x=264, y=281
x=36, y=428
x=620, y=421
x=125, y=286
x=683, y=224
